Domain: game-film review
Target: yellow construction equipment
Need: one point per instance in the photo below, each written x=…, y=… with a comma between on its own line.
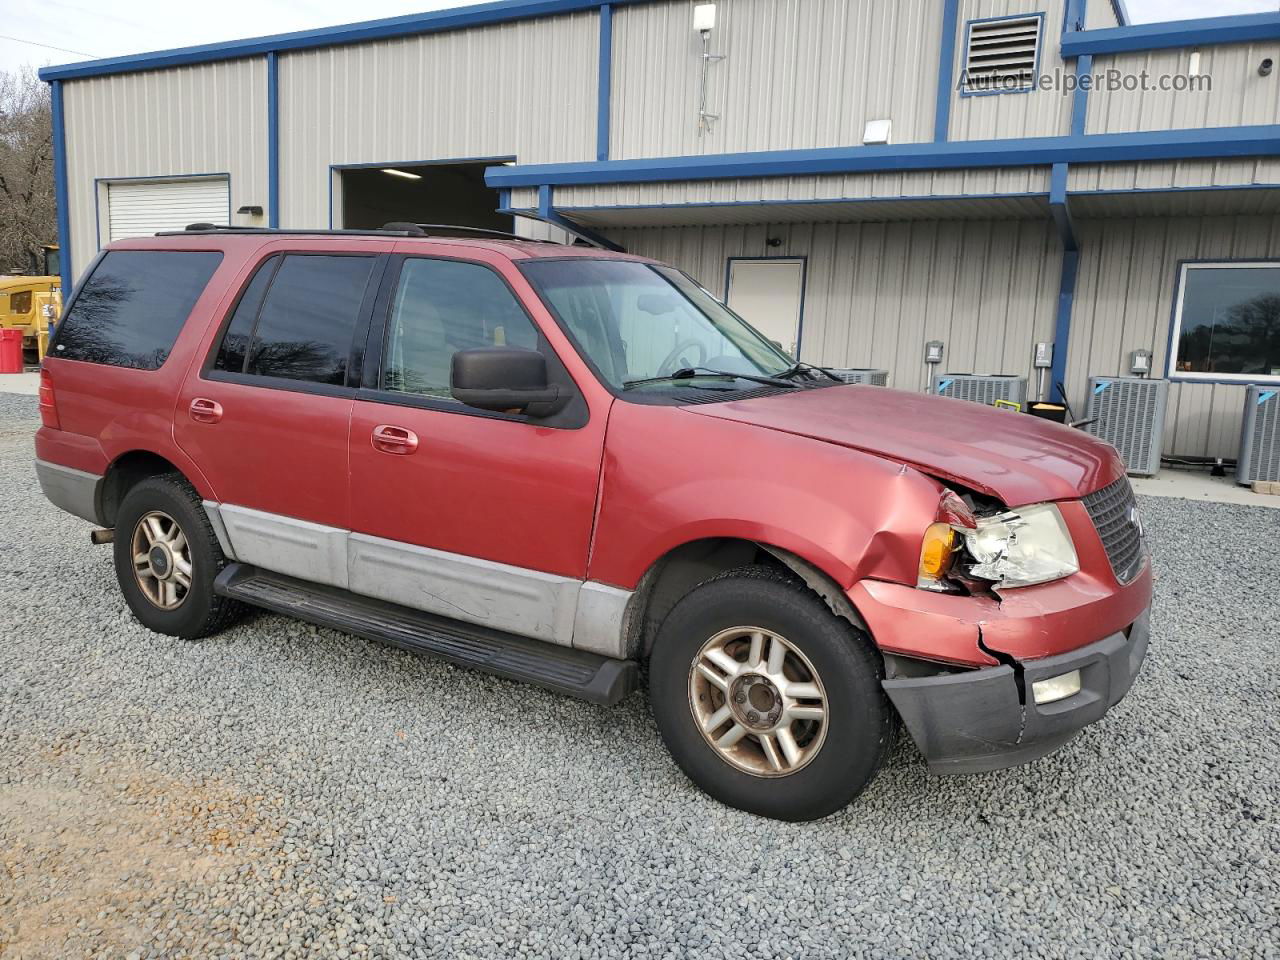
x=32, y=303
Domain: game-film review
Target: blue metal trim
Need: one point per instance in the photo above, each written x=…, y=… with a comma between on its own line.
x=1059, y=207
x=1034, y=151
x=60, y=195
x=604, y=92
x=804, y=284
x=436, y=21
x=379, y=164
x=1170, y=373
x=547, y=213
x=946, y=71
x=1245, y=28
x=1062, y=325
x=1035, y=71
x=273, y=140
x=1122, y=12
x=1080, y=98
x=1073, y=16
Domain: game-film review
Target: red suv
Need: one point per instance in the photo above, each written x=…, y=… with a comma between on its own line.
x=559, y=464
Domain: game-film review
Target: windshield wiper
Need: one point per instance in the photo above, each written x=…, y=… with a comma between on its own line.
x=801, y=367
x=694, y=373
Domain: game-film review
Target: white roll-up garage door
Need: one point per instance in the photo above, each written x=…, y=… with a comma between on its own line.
x=139, y=209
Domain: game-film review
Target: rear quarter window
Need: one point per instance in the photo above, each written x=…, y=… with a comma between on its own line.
x=132, y=308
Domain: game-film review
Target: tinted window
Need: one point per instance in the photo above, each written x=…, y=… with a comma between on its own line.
x=235, y=342
x=441, y=307
x=130, y=310
x=1230, y=321
x=305, y=327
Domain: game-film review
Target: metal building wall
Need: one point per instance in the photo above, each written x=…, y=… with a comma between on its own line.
x=876, y=292
x=1037, y=113
x=1124, y=300
x=991, y=181
x=1234, y=172
x=797, y=74
x=210, y=118
x=1238, y=96
x=1100, y=15
x=525, y=90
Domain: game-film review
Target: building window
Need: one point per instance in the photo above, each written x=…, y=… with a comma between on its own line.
x=1001, y=55
x=1226, y=323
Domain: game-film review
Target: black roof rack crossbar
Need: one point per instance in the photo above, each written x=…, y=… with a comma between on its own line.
x=428, y=229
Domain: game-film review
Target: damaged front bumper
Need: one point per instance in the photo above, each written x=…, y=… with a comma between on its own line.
x=986, y=719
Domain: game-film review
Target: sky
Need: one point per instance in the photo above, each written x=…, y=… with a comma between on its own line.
x=88, y=29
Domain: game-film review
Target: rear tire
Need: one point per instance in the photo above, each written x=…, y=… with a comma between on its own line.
x=166, y=558
x=807, y=726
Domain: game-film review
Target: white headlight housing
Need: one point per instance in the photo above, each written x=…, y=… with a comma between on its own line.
x=1022, y=547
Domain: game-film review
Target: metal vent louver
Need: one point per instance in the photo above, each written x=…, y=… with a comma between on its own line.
x=1128, y=413
x=985, y=389
x=876, y=378
x=1260, y=440
x=1002, y=54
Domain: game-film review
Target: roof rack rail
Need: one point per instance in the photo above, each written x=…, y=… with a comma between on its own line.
x=224, y=228
x=393, y=229
x=429, y=229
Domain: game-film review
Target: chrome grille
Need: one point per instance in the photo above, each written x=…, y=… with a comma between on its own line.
x=1114, y=512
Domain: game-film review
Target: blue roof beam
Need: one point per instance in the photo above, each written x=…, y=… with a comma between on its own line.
x=1214, y=142
x=1245, y=28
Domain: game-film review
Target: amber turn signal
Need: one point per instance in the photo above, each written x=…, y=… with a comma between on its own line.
x=935, y=554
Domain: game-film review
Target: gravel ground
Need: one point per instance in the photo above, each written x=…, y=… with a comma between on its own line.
x=281, y=790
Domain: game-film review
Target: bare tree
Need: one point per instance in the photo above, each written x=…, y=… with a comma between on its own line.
x=27, y=211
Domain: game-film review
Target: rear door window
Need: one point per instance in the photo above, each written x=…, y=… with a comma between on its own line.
x=132, y=308
x=302, y=328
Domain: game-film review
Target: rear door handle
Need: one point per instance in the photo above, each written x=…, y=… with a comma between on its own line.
x=392, y=439
x=205, y=411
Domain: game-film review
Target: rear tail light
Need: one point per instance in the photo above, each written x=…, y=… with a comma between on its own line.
x=48, y=407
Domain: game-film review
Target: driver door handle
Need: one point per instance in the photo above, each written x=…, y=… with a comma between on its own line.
x=396, y=440
x=205, y=411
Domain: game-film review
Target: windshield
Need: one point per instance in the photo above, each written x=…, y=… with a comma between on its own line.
x=638, y=322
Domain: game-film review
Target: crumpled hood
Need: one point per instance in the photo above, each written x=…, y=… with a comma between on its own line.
x=1018, y=458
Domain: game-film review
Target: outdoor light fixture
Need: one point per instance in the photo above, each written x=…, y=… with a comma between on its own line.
x=402, y=173
x=877, y=131
x=251, y=209
x=1265, y=67
x=704, y=21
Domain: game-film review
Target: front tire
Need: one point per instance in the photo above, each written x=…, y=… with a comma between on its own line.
x=766, y=699
x=166, y=558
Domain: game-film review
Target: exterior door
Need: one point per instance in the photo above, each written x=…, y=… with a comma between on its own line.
x=143, y=208
x=476, y=516
x=769, y=295
x=267, y=419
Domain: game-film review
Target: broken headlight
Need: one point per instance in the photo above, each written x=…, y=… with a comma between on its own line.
x=1020, y=547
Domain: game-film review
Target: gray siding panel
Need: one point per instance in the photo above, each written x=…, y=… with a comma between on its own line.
x=1038, y=113
x=525, y=90
x=797, y=74
x=1247, y=171
x=1124, y=300
x=1238, y=96
x=210, y=118
x=875, y=293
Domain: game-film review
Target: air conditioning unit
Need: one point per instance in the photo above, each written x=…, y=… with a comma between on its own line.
x=1260, y=440
x=985, y=389
x=875, y=378
x=1128, y=413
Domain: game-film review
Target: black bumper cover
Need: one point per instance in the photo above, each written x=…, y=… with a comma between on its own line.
x=973, y=722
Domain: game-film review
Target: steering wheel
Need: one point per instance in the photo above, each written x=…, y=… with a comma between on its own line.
x=668, y=366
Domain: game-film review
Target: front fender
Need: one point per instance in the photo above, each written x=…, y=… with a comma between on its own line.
x=671, y=478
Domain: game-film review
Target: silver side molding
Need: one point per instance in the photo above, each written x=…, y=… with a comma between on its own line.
x=529, y=603
x=74, y=491
x=526, y=602
x=296, y=548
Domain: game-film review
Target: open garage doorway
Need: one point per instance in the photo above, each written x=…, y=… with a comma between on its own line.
x=369, y=196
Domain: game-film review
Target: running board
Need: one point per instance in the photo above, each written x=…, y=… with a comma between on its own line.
x=577, y=673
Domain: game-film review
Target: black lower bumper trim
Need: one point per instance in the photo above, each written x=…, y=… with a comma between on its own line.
x=577, y=673
x=973, y=722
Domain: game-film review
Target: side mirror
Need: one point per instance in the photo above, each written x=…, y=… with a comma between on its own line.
x=505, y=379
